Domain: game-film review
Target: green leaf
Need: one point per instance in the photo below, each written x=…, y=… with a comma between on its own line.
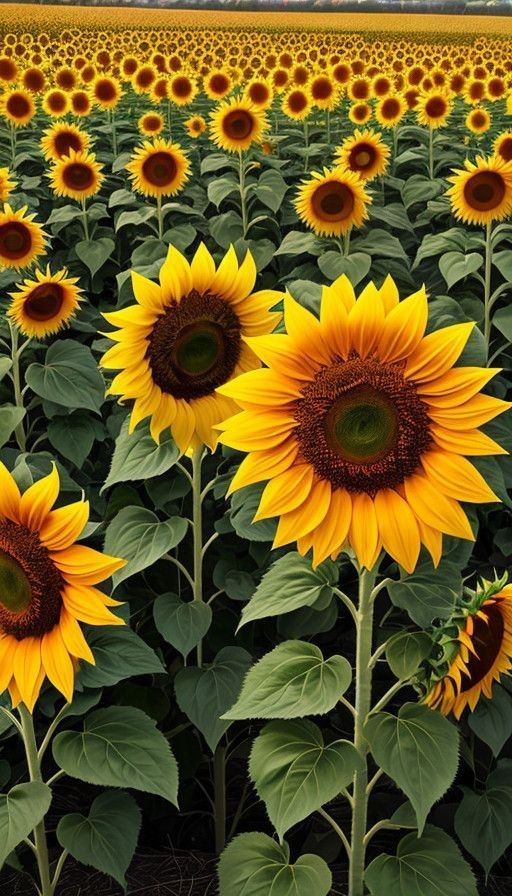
x=69, y=376
x=355, y=266
x=255, y=865
x=419, y=750
x=94, y=253
x=289, y=584
x=73, y=436
x=296, y=773
x=431, y=865
x=419, y=188
x=119, y=654
x=299, y=243
x=405, y=652
x=21, y=810
x=502, y=320
x=271, y=189
x=503, y=262
x=428, y=593
x=5, y=366
x=10, y=416
x=137, y=535
x=204, y=694
x=135, y=218
x=107, y=837
x=119, y=747
x=483, y=821
x=380, y=243
x=182, y=623
x=455, y=266
x=491, y=720
x=292, y=680
x=137, y=456
x=244, y=504
x=221, y=187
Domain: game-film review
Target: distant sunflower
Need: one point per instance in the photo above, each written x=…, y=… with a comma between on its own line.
x=106, y=91
x=182, y=89
x=324, y=92
x=478, y=120
x=77, y=175
x=333, y=202
x=33, y=79
x=259, y=92
x=17, y=106
x=297, y=104
x=150, y=124
x=47, y=589
x=482, y=192
x=360, y=113
x=158, y=168
x=21, y=238
x=183, y=338
x=502, y=146
x=390, y=110
x=365, y=153
x=61, y=138
x=483, y=655
x=80, y=103
x=45, y=305
x=195, y=125
x=6, y=184
x=56, y=102
x=433, y=108
x=217, y=84
x=360, y=424
x=236, y=124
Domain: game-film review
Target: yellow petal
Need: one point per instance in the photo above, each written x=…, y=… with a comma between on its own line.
x=435, y=509
x=398, y=528
x=345, y=291
x=147, y=293
x=57, y=663
x=261, y=387
x=457, y=477
x=226, y=273
x=285, y=492
x=331, y=534
x=133, y=315
x=175, y=276
x=86, y=604
x=9, y=495
x=73, y=637
x=305, y=518
x=26, y=668
x=253, y=431
x=8, y=648
x=456, y=385
x=389, y=294
x=334, y=322
x=162, y=417
x=471, y=414
x=38, y=500
x=404, y=328
x=366, y=321
x=243, y=282
x=86, y=566
x=64, y=526
x=183, y=426
x=471, y=442
x=364, y=530
x=279, y=352
x=437, y=352
x=203, y=269
x=304, y=329
x=261, y=465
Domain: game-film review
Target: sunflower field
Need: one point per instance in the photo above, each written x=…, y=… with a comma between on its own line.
x=255, y=436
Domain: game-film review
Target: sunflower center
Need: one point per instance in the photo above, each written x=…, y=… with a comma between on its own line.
x=258, y=93
x=333, y=201
x=160, y=169
x=219, y=83
x=435, y=107
x=30, y=583
x=505, y=149
x=44, y=302
x=15, y=240
x=487, y=640
x=65, y=141
x=18, y=105
x=195, y=346
x=361, y=425
x=361, y=157
x=322, y=89
x=484, y=191
x=238, y=124
x=78, y=176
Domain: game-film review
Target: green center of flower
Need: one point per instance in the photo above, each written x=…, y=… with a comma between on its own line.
x=15, y=590
x=198, y=348
x=362, y=426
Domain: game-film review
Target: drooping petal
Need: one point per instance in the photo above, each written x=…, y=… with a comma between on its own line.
x=86, y=605
x=73, y=637
x=26, y=669
x=332, y=532
x=305, y=518
x=261, y=465
x=285, y=492
x=83, y=565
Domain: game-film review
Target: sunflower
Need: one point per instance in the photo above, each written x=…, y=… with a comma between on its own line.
x=47, y=589
x=150, y=124
x=106, y=91
x=259, y=92
x=482, y=192
x=61, y=138
x=8, y=70
x=390, y=110
x=158, y=168
x=17, y=106
x=478, y=120
x=182, y=89
x=297, y=104
x=324, y=92
x=196, y=125
x=45, y=305
x=361, y=424
x=360, y=113
x=184, y=338
x=217, y=84
x=333, y=202
x=143, y=78
x=6, y=184
x=483, y=654
x=77, y=175
x=21, y=238
x=235, y=124
x=365, y=153
x=502, y=146
x=433, y=108
x=56, y=103
x=80, y=103
x=33, y=79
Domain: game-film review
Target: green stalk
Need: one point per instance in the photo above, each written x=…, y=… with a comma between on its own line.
x=346, y=242
x=19, y=430
x=487, y=286
x=114, y=132
x=431, y=153
x=85, y=221
x=197, y=521
x=34, y=768
x=362, y=708
x=243, y=205
x=219, y=780
x=160, y=217
x=13, y=144
x=306, y=145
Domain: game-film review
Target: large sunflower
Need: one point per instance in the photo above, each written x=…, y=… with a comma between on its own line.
x=361, y=425
x=235, y=124
x=482, y=191
x=61, y=138
x=184, y=338
x=46, y=304
x=158, y=168
x=47, y=589
x=17, y=106
x=483, y=654
x=364, y=153
x=333, y=202
x=21, y=238
x=77, y=175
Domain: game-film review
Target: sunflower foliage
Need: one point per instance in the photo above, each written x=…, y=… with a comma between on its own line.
x=254, y=444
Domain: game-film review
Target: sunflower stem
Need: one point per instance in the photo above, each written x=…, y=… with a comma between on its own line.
x=219, y=782
x=34, y=768
x=13, y=145
x=363, y=685
x=346, y=242
x=431, y=153
x=197, y=517
x=160, y=218
x=243, y=204
x=114, y=132
x=306, y=145
x=85, y=220
x=487, y=287
x=19, y=430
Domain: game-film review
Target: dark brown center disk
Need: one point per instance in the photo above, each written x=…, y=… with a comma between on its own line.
x=44, y=302
x=15, y=240
x=238, y=124
x=361, y=157
x=30, y=584
x=362, y=426
x=505, y=150
x=160, y=169
x=332, y=201
x=18, y=105
x=195, y=346
x=435, y=107
x=78, y=176
x=487, y=639
x=66, y=141
x=484, y=191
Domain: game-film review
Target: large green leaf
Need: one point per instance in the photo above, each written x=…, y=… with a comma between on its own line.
x=182, y=623
x=290, y=584
x=94, y=253
x=295, y=772
x=119, y=747
x=483, y=821
x=74, y=435
x=428, y=593
x=10, y=416
x=137, y=535
x=419, y=750
x=255, y=865
x=491, y=719
x=107, y=837
x=119, y=654
x=69, y=376
x=271, y=189
x=355, y=266
x=455, y=266
x=431, y=865
x=405, y=652
x=137, y=456
x=291, y=681
x=204, y=694
x=20, y=811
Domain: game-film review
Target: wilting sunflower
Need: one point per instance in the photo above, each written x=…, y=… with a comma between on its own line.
x=47, y=589
x=478, y=120
x=150, y=124
x=77, y=175
x=158, y=168
x=365, y=153
x=184, y=338
x=61, y=138
x=235, y=124
x=482, y=192
x=483, y=654
x=21, y=238
x=195, y=125
x=6, y=184
x=333, y=202
x=45, y=305
x=433, y=108
x=17, y=106
x=502, y=146
x=361, y=424
x=390, y=110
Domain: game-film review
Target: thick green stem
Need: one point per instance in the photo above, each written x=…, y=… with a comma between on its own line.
x=306, y=145
x=160, y=217
x=197, y=520
x=431, y=153
x=114, y=132
x=85, y=220
x=34, y=768
x=219, y=779
x=243, y=204
x=13, y=145
x=487, y=287
x=19, y=430
x=362, y=708
x=346, y=242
